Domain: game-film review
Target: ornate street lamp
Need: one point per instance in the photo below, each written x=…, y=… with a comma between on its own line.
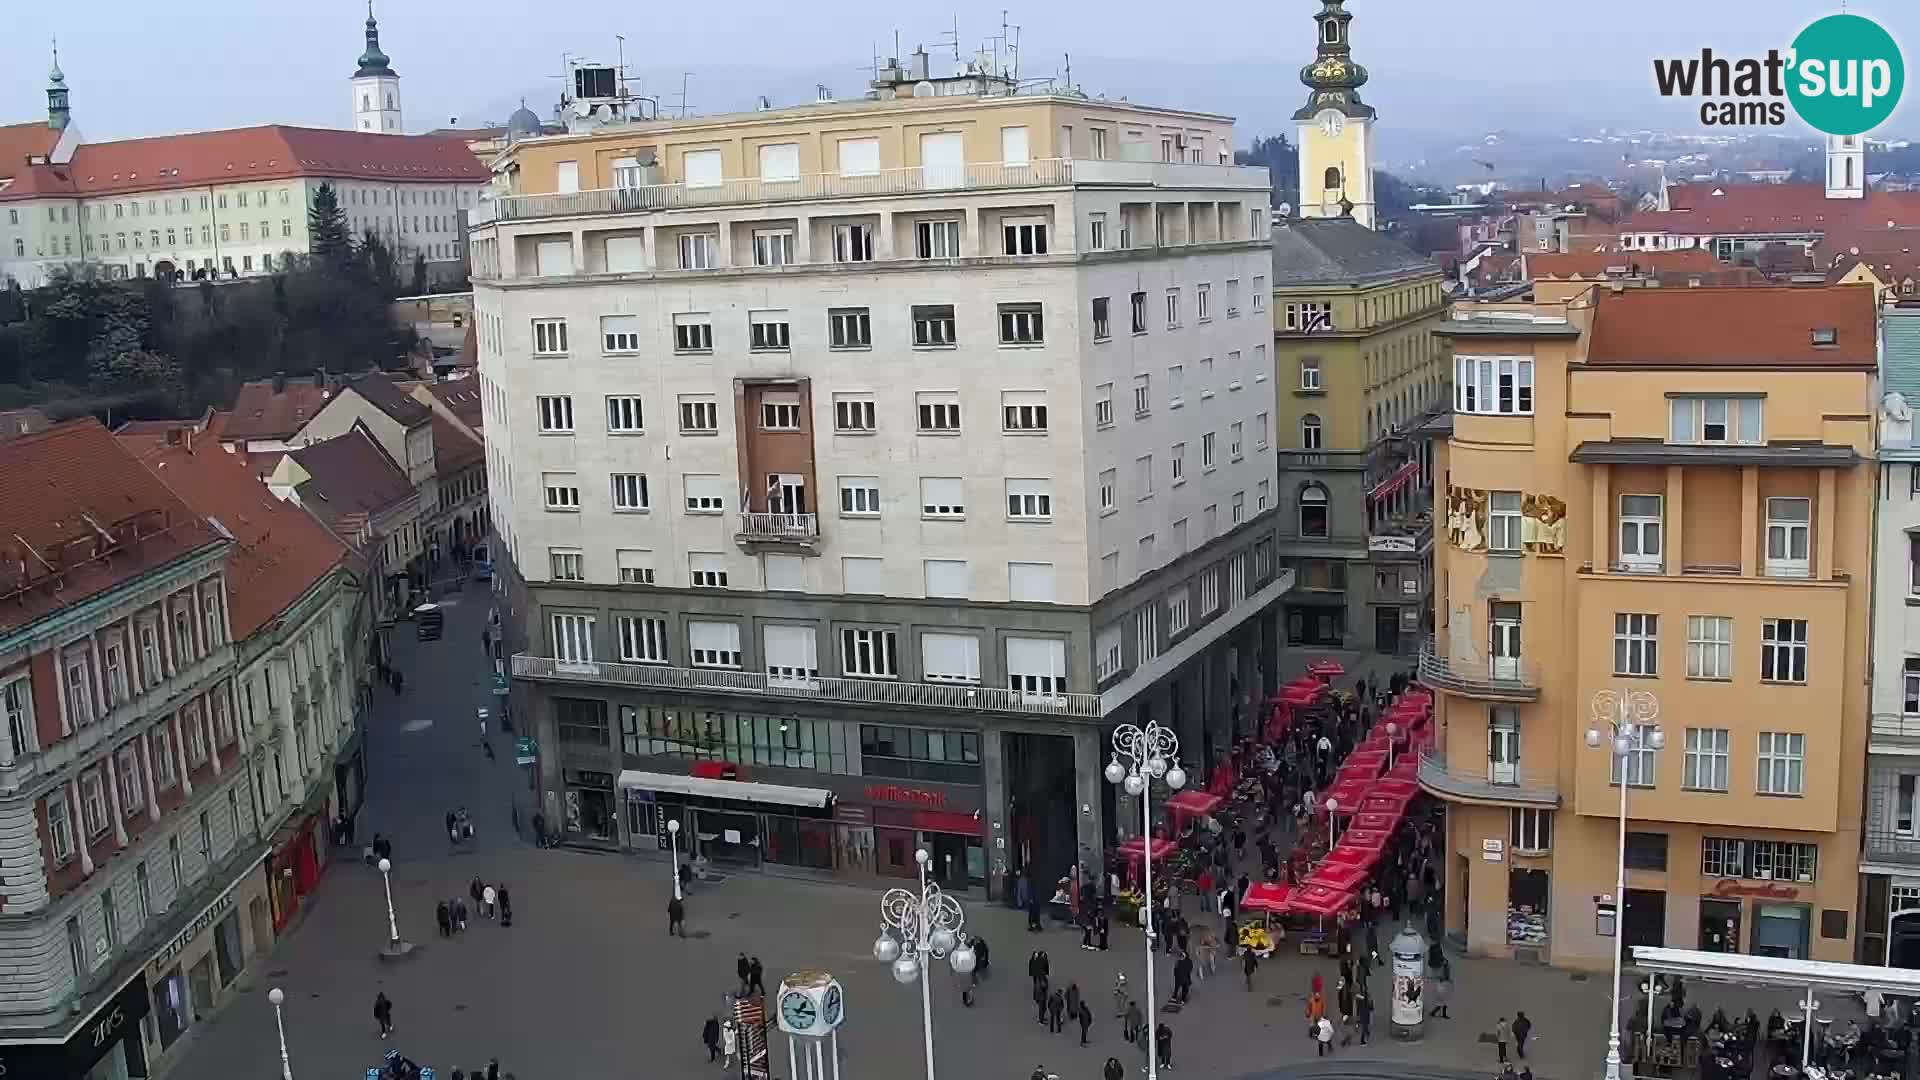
x=1150, y=753
x=277, y=996
x=673, y=845
x=1623, y=720
x=917, y=929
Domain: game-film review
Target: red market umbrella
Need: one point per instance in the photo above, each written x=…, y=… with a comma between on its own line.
x=1355, y=856
x=1407, y=768
x=1374, y=821
x=1365, y=758
x=1315, y=899
x=1384, y=804
x=1297, y=695
x=1134, y=849
x=1370, y=840
x=1348, y=794
x=1326, y=669
x=1395, y=787
x=1338, y=876
x=1194, y=802
x=1266, y=896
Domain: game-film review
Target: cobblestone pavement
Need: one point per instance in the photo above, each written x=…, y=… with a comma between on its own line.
x=586, y=984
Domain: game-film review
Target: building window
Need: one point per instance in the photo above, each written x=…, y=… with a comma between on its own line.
x=16, y=700
x=1109, y=479
x=1029, y=500
x=1503, y=521
x=1310, y=373
x=926, y=754
x=1313, y=511
x=853, y=415
x=1178, y=464
x=1021, y=324
x=772, y=247
x=1139, y=313
x=630, y=493
x=1638, y=761
x=1102, y=329
x=1707, y=757
x=1782, y=763
x=1173, y=309
x=1207, y=443
x=1709, y=647
x=1025, y=237
x=567, y=564
x=562, y=490
x=127, y=772
x=1023, y=411
x=1911, y=698
x=160, y=745
x=635, y=566
x=780, y=412
x=692, y=333
x=849, y=328
x=1722, y=858
x=1142, y=396
x=1037, y=667
x=933, y=326
x=1310, y=432
x=869, y=654
x=60, y=829
x=1783, y=650
x=624, y=416
x=860, y=496
x=713, y=644
x=1636, y=644
x=939, y=412
x=937, y=239
x=549, y=337
x=1640, y=545
x=581, y=722
x=1531, y=830
x=699, y=251
x=93, y=803
x=699, y=416
x=1716, y=421
x=1493, y=385
x=1103, y=405
x=942, y=497
x=1789, y=528
x=768, y=331
x=1096, y=232
x=556, y=415
x=707, y=570
x=852, y=243
x=80, y=686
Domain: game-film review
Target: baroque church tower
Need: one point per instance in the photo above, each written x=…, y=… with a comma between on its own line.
x=376, y=86
x=1335, y=128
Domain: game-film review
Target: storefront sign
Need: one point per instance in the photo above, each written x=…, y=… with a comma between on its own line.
x=906, y=796
x=201, y=922
x=1390, y=543
x=102, y=1033
x=583, y=778
x=1764, y=890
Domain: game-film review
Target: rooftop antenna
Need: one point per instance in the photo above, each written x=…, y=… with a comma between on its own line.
x=1069, y=57
x=1013, y=46
x=955, y=35
x=620, y=57
x=684, y=76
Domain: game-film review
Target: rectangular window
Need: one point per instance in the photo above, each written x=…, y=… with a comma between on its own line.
x=1179, y=611
x=643, y=639
x=692, y=333
x=772, y=247
x=707, y=570
x=859, y=157
x=1108, y=481
x=1636, y=644
x=567, y=564
x=1179, y=463
x=1029, y=500
x=1023, y=411
x=160, y=745
x=1706, y=759
x=93, y=803
x=860, y=496
x=1531, y=830
x=1096, y=232
x=791, y=654
x=59, y=827
x=849, y=328
x=706, y=493
x=1639, y=759
x=16, y=700
x=1235, y=431
x=1310, y=373
x=549, y=337
x=854, y=414
x=1709, y=647
x=630, y=493
x=1139, y=312
x=937, y=239
x=869, y=654
x=1024, y=237
x=1493, y=385
x=699, y=416
x=950, y=658
x=1102, y=329
x=942, y=497
x=1911, y=697
x=1142, y=396
x=635, y=566
x=1036, y=667
x=713, y=644
x=1259, y=283
x=1202, y=302
x=950, y=578
x=779, y=411
x=127, y=772
x=1173, y=309
x=768, y=331
x=556, y=415
x=562, y=489
x=1143, y=476
x=938, y=411
x=1789, y=536
x=1783, y=650
x=1206, y=450
x=624, y=416
x=699, y=251
x=620, y=333
x=1103, y=405
x=1781, y=768
x=1030, y=582
x=1503, y=521
x=1021, y=324
x=1716, y=421
x=1640, y=528
x=852, y=243
x=933, y=326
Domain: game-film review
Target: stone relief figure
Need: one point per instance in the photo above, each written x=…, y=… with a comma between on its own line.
x=1543, y=524
x=1467, y=518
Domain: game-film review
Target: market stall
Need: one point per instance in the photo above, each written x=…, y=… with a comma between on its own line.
x=1192, y=802
x=1270, y=901
x=1325, y=669
x=1339, y=876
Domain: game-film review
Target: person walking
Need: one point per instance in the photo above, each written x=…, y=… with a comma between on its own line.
x=477, y=890
x=489, y=898
x=1209, y=951
x=1522, y=1027
x=1057, y=1008
x=1086, y=1022
x=443, y=917
x=1502, y=1035
x=1442, y=988
x=1322, y=1037
x=1248, y=964
x=1130, y=1028
x=383, y=1014
x=745, y=971
x=1183, y=978
x=1114, y=1070
x=506, y=908
x=1037, y=967
x=1163, y=1046
x=1316, y=1004
x=756, y=975
x=1040, y=999
x=1103, y=930
x=1363, y=1012
x=729, y=1044
x=710, y=1034
x=459, y=915
x=676, y=917
x=1073, y=1001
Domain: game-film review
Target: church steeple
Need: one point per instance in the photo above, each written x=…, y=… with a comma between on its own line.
x=59, y=110
x=373, y=61
x=1333, y=80
x=376, y=86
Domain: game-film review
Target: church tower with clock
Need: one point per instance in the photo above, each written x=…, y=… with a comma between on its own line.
x=1335, y=127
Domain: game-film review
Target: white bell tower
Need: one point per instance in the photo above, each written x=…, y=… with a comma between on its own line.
x=376, y=87
x=1846, y=167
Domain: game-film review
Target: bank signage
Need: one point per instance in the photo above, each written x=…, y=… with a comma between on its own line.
x=205, y=919
x=102, y=1032
x=901, y=795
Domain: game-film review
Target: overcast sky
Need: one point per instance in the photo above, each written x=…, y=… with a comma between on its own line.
x=140, y=68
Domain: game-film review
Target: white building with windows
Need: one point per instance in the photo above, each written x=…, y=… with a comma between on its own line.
x=912, y=439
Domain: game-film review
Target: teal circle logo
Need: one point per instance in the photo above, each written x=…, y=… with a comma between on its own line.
x=1845, y=75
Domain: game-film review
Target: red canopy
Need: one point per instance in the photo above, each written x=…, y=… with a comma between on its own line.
x=1356, y=856
x=1338, y=876
x=1297, y=694
x=1407, y=768
x=1348, y=793
x=1394, y=805
x=1398, y=788
x=1314, y=899
x=1374, y=821
x=1134, y=848
x=1365, y=759
x=1266, y=896
x=1373, y=840
x=1191, y=801
x=1329, y=669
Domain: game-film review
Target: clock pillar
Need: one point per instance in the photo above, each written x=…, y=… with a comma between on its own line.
x=1335, y=128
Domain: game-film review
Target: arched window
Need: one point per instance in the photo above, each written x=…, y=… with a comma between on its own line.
x=389, y=101
x=1313, y=511
x=1333, y=178
x=1310, y=431
x=366, y=102
x=1331, y=31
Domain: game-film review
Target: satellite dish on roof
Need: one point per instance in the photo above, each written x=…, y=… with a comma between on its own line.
x=923, y=88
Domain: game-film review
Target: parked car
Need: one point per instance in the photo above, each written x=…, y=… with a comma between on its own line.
x=428, y=620
x=483, y=562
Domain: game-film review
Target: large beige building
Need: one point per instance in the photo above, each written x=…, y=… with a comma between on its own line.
x=885, y=450
x=1668, y=491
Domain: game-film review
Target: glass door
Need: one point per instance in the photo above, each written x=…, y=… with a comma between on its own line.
x=1504, y=648
x=1503, y=746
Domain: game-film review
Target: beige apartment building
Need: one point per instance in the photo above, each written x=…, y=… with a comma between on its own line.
x=1670, y=491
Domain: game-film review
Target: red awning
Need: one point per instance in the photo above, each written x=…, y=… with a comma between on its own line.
x=1396, y=480
x=1397, y=788
x=1348, y=794
x=1374, y=840
x=1134, y=849
x=1407, y=768
x=1194, y=802
x=1339, y=876
x=1375, y=821
x=1357, y=856
x=1328, y=669
x=1312, y=899
x=1395, y=805
x=1266, y=896
x=1297, y=695
x=1365, y=759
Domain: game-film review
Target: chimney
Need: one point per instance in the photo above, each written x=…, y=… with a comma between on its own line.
x=279, y=382
x=187, y=436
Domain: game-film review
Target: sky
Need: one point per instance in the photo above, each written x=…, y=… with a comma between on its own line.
x=137, y=68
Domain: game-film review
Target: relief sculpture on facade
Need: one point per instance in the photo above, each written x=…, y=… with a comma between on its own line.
x=1467, y=518
x=1543, y=524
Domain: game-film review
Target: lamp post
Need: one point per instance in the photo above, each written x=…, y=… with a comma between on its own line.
x=1393, y=732
x=916, y=929
x=1618, y=717
x=393, y=926
x=1333, y=807
x=1151, y=753
x=673, y=845
x=277, y=996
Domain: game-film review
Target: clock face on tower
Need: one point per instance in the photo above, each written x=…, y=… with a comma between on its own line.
x=1331, y=122
x=833, y=1005
x=797, y=1010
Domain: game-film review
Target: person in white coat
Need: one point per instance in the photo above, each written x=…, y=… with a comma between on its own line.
x=729, y=1044
x=491, y=899
x=1323, y=1042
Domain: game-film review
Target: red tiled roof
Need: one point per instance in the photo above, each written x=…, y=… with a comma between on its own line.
x=453, y=449
x=261, y=413
x=349, y=474
x=279, y=550
x=1757, y=327
x=1595, y=264
x=462, y=399
x=1731, y=209
x=18, y=142
x=238, y=155
x=78, y=511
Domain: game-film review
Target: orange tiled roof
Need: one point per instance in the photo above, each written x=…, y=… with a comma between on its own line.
x=453, y=449
x=79, y=515
x=279, y=550
x=260, y=412
x=18, y=142
x=237, y=155
x=1732, y=209
x=1596, y=264
x=1757, y=327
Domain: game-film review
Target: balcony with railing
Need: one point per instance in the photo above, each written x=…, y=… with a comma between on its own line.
x=1497, y=678
x=1885, y=845
x=1486, y=782
x=958, y=697
x=1894, y=733
x=761, y=531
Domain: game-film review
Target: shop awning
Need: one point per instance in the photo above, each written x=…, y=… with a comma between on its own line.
x=1135, y=848
x=1266, y=896
x=1351, y=855
x=1342, y=877
x=1394, y=481
x=1298, y=694
x=1326, y=669
x=1311, y=899
x=1394, y=787
x=1194, y=802
x=1347, y=794
x=1374, y=822
x=1373, y=840
x=1395, y=805
x=737, y=790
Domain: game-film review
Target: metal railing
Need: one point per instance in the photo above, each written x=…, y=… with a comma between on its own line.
x=1896, y=726
x=954, y=696
x=1885, y=845
x=1497, y=679
x=1485, y=781
x=787, y=528
x=973, y=176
